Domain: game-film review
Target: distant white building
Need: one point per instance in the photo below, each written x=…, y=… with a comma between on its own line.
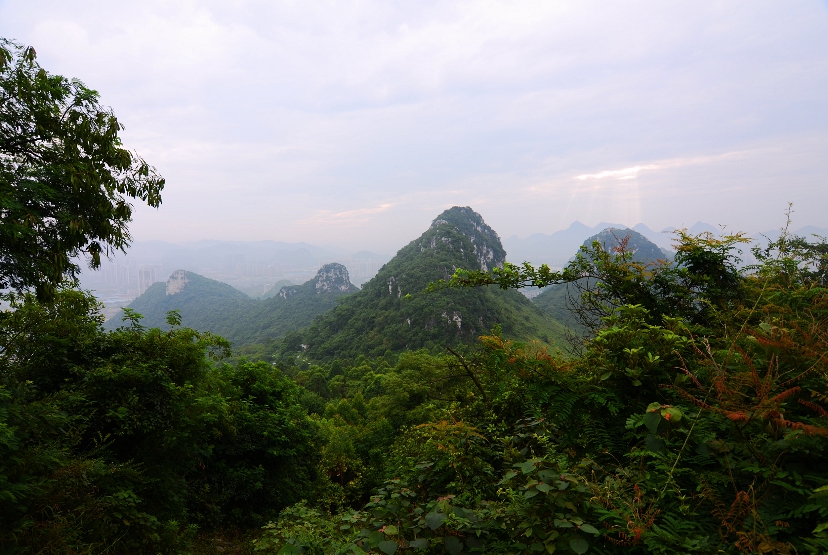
x=146, y=277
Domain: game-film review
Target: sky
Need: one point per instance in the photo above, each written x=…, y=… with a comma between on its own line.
x=353, y=124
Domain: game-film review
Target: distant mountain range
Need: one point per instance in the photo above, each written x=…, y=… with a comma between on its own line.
x=557, y=249
x=210, y=305
x=328, y=317
x=250, y=266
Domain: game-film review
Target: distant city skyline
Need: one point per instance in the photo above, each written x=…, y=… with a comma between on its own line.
x=354, y=124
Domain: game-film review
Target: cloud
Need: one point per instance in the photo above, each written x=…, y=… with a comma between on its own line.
x=626, y=173
x=271, y=118
x=346, y=217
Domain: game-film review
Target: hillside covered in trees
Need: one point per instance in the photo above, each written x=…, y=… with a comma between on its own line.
x=212, y=306
x=391, y=312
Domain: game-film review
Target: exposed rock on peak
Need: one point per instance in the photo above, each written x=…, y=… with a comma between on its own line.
x=487, y=246
x=331, y=278
x=176, y=282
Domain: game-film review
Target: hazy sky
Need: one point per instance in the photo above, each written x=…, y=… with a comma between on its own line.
x=355, y=123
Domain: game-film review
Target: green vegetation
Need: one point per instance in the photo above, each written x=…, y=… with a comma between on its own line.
x=273, y=291
x=213, y=306
x=562, y=301
x=127, y=441
x=694, y=418
x=391, y=313
x=205, y=304
x=693, y=422
x=65, y=179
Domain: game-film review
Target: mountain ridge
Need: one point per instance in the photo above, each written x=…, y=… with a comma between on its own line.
x=391, y=312
x=210, y=305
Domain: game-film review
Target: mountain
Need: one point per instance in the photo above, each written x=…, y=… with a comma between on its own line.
x=555, y=249
x=391, y=312
x=555, y=301
x=202, y=301
x=644, y=250
x=662, y=239
x=209, y=305
x=274, y=290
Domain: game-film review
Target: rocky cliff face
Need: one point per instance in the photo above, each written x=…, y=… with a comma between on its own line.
x=176, y=282
x=331, y=278
x=486, y=244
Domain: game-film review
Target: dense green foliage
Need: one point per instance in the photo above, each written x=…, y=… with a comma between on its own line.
x=697, y=430
x=694, y=421
x=562, y=301
x=126, y=441
x=694, y=418
x=65, y=179
x=390, y=313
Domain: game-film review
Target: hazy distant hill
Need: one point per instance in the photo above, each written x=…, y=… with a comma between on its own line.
x=557, y=249
x=381, y=317
x=556, y=300
x=273, y=291
x=209, y=305
x=295, y=306
x=204, y=303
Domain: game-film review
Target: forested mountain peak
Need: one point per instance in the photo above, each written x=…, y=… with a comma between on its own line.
x=613, y=238
x=485, y=241
x=382, y=316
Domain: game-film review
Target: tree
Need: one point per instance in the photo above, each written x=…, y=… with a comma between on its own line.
x=65, y=178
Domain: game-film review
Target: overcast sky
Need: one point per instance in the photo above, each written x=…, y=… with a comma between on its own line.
x=355, y=123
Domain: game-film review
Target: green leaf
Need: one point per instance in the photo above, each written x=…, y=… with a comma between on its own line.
x=652, y=420
x=434, y=520
x=509, y=475
x=453, y=545
x=605, y=376
x=579, y=545
x=419, y=543
x=391, y=530
x=375, y=538
x=288, y=549
x=588, y=528
x=547, y=475
x=562, y=523
x=388, y=546
x=674, y=414
x=544, y=487
x=527, y=467
x=655, y=444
